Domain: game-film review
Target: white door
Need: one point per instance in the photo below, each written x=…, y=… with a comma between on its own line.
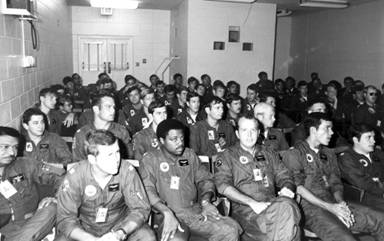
x=112, y=55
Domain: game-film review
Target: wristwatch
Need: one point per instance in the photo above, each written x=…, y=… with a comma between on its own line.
x=204, y=202
x=120, y=237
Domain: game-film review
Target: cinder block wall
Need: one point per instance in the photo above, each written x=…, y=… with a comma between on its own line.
x=19, y=87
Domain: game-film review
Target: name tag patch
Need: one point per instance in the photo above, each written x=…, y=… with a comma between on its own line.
x=114, y=187
x=183, y=162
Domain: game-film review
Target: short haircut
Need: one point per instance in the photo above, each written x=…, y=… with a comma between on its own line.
x=249, y=116
x=55, y=88
x=160, y=82
x=153, y=75
x=146, y=91
x=232, y=97
x=302, y=83
x=96, y=101
x=332, y=85
x=277, y=81
x=133, y=88
x=314, y=120
x=232, y=82
x=370, y=87
x=191, y=95
x=64, y=99
x=262, y=73
x=181, y=89
x=46, y=91
x=8, y=131
x=204, y=76
x=67, y=79
x=27, y=115
x=177, y=75
x=129, y=77
x=212, y=101
x=192, y=79
x=253, y=87
x=315, y=100
x=102, y=74
x=348, y=78
x=165, y=126
x=200, y=85
x=155, y=104
x=98, y=137
x=169, y=88
x=218, y=84
x=358, y=129
x=261, y=107
x=264, y=96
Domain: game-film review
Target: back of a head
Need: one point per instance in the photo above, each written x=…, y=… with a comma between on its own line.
x=262, y=108
x=165, y=126
x=9, y=131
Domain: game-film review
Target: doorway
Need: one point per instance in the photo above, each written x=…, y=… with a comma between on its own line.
x=109, y=54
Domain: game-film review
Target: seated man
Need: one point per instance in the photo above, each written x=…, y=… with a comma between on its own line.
x=212, y=135
x=103, y=108
x=233, y=109
x=146, y=139
x=133, y=112
x=271, y=137
x=175, y=180
x=22, y=218
x=317, y=176
x=43, y=146
x=247, y=174
x=103, y=198
x=192, y=113
x=362, y=167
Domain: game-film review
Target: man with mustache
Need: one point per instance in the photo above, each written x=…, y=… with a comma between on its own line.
x=317, y=177
x=22, y=217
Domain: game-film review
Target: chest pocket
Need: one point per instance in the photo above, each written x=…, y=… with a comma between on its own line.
x=21, y=184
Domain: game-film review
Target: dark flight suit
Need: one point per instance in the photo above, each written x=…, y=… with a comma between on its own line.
x=86, y=118
x=369, y=115
x=134, y=120
x=180, y=182
x=25, y=222
x=51, y=149
x=204, y=139
x=176, y=109
x=276, y=140
x=249, y=108
x=80, y=199
x=357, y=170
x=54, y=121
x=256, y=176
x=78, y=147
x=144, y=141
x=319, y=173
x=185, y=118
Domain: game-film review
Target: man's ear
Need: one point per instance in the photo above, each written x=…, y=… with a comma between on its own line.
x=161, y=140
x=95, y=109
x=354, y=139
x=25, y=126
x=312, y=129
x=237, y=134
x=207, y=110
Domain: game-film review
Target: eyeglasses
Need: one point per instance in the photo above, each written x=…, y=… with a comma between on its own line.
x=373, y=94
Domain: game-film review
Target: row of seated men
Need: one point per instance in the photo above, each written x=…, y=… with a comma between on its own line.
x=103, y=197
x=210, y=141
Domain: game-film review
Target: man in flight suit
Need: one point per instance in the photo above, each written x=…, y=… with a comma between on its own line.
x=22, y=217
x=247, y=174
x=44, y=146
x=362, y=167
x=103, y=107
x=181, y=189
x=146, y=139
x=212, y=135
x=271, y=137
x=317, y=177
x=103, y=198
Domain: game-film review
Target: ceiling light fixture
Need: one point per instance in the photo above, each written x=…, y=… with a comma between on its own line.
x=324, y=3
x=125, y=4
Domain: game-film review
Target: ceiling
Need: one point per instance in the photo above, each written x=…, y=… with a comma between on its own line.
x=170, y=4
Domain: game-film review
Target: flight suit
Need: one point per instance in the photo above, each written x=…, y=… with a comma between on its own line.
x=51, y=149
x=176, y=109
x=320, y=174
x=25, y=222
x=369, y=115
x=276, y=140
x=144, y=141
x=78, y=147
x=185, y=118
x=248, y=108
x=86, y=118
x=256, y=176
x=357, y=170
x=134, y=120
x=54, y=121
x=123, y=200
x=204, y=139
x=179, y=182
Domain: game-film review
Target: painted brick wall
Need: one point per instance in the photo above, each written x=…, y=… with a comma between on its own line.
x=19, y=87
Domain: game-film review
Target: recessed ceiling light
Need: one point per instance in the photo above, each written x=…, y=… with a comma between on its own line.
x=125, y=4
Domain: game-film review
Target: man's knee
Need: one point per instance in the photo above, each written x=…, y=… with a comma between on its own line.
x=288, y=208
x=143, y=234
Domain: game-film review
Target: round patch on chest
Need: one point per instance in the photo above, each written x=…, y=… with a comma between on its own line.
x=90, y=190
x=164, y=166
